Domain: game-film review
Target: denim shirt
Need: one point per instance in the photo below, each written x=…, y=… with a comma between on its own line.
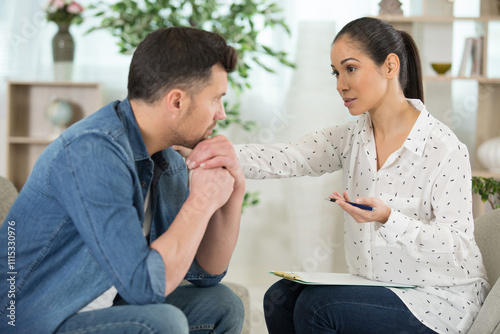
x=76, y=226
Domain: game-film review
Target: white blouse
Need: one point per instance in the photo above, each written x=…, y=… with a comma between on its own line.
x=428, y=240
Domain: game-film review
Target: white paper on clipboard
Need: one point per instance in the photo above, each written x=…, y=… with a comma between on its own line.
x=322, y=278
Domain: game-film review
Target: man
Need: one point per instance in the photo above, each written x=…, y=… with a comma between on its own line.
x=105, y=226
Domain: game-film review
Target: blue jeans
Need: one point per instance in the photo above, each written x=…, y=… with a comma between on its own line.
x=188, y=309
x=296, y=308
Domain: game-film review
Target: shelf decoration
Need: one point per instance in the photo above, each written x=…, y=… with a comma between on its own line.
x=59, y=113
x=441, y=68
x=390, y=7
x=488, y=154
x=471, y=64
x=63, y=52
x=63, y=13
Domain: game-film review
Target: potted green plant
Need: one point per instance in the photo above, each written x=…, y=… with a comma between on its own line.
x=239, y=22
x=488, y=189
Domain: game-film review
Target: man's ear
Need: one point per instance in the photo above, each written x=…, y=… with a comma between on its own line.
x=392, y=65
x=176, y=101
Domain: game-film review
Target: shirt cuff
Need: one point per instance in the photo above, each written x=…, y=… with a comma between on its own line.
x=156, y=271
x=199, y=277
x=395, y=227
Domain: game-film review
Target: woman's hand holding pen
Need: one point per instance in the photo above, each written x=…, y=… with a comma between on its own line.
x=380, y=211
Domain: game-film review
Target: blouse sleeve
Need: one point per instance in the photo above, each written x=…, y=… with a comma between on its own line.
x=313, y=155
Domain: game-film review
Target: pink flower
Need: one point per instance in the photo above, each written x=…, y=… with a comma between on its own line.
x=59, y=4
x=74, y=8
x=64, y=11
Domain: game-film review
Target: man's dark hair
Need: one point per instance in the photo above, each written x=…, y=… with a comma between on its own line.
x=176, y=57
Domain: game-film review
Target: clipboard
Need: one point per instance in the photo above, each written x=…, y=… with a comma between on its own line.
x=322, y=278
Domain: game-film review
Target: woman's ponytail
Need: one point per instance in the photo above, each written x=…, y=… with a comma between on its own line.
x=414, y=88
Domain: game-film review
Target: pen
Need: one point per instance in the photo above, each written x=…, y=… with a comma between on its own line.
x=361, y=206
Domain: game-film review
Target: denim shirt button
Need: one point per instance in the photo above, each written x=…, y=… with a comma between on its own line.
x=164, y=164
x=143, y=184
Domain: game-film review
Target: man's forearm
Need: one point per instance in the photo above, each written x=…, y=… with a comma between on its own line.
x=220, y=238
x=210, y=190
x=179, y=244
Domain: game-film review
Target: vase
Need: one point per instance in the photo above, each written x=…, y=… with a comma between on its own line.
x=488, y=154
x=63, y=52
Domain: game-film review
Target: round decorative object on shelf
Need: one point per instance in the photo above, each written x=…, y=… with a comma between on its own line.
x=59, y=113
x=63, y=52
x=441, y=68
x=390, y=7
x=488, y=154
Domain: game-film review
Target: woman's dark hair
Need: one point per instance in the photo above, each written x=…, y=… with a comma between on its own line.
x=176, y=57
x=378, y=39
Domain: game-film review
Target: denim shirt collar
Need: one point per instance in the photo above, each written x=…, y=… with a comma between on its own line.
x=126, y=115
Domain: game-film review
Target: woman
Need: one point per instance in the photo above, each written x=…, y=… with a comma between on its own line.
x=412, y=170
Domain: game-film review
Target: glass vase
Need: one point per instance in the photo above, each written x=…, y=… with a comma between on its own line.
x=63, y=52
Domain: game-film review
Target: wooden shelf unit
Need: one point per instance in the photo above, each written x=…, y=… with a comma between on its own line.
x=28, y=130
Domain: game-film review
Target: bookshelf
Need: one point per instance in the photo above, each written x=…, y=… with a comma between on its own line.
x=28, y=131
x=468, y=104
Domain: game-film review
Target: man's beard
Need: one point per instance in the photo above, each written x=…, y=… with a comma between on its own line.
x=180, y=138
x=182, y=141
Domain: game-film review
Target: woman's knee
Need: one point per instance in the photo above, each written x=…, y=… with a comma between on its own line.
x=281, y=294
x=274, y=298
